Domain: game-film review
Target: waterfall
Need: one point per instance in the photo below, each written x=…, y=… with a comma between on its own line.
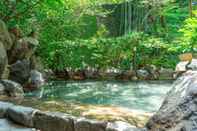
x=130, y=17
x=133, y=17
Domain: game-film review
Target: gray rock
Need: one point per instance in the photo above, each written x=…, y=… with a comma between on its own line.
x=20, y=71
x=83, y=124
x=22, y=115
x=3, y=60
x=53, y=121
x=121, y=126
x=36, y=79
x=12, y=88
x=143, y=74
x=3, y=108
x=4, y=36
x=178, y=111
x=6, y=125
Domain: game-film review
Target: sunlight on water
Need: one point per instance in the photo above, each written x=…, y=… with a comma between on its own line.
x=142, y=96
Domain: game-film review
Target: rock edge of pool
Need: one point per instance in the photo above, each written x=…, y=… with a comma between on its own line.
x=177, y=113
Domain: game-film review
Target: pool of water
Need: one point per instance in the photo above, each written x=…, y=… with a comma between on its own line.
x=143, y=96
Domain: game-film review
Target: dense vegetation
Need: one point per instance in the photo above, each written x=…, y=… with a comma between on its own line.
x=71, y=37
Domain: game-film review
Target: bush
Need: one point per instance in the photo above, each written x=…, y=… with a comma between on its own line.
x=110, y=52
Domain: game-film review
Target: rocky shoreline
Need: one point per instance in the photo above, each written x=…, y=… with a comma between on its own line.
x=177, y=113
x=54, y=121
x=149, y=73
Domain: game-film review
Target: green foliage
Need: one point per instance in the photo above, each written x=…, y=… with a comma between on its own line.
x=189, y=31
x=71, y=38
x=175, y=13
x=110, y=52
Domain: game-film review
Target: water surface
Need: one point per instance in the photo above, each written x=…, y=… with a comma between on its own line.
x=146, y=96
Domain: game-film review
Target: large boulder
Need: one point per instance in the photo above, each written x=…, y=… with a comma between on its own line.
x=178, y=111
x=5, y=36
x=3, y=60
x=20, y=71
x=12, y=88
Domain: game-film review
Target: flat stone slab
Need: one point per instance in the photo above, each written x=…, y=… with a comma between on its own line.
x=22, y=115
x=6, y=125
